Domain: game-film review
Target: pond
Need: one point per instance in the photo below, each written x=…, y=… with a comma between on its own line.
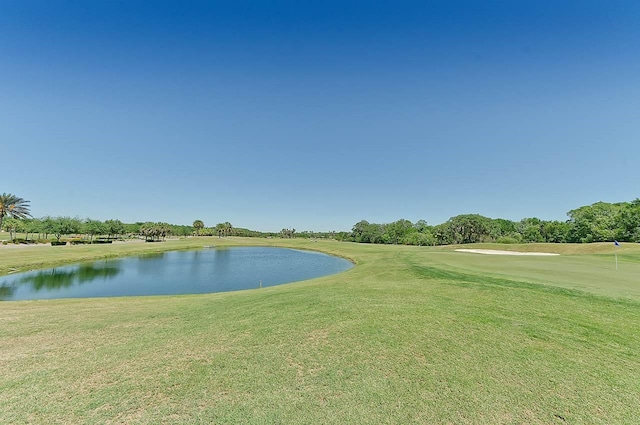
x=171, y=273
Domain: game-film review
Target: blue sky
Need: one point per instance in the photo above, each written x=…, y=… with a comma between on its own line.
x=280, y=114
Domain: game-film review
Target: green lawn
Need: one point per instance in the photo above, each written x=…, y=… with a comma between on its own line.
x=410, y=335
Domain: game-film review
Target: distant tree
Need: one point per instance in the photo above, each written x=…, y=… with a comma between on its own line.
x=155, y=231
x=422, y=227
x=219, y=229
x=287, y=233
x=60, y=226
x=13, y=206
x=531, y=229
x=359, y=230
x=132, y=228
x=555, y=231
x=11, y=225
x=628, y=222
x=198, y=225
x=365, y=232
x=342, y=236
x=419, y=238
x=467, y=228
x=594, y=223
x=114, y=228
x=46, y=226
x=181, y=230
x=30, y=225
x=228, y=228
x=94, y=227
x=501, y=227
x=397, y=231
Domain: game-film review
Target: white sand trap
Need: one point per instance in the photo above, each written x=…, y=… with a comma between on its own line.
x=499, y=252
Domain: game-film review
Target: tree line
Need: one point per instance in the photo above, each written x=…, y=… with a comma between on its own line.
x=43, y=228
x=599, y=222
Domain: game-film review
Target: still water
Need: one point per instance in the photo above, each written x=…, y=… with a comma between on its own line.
x=170, y=273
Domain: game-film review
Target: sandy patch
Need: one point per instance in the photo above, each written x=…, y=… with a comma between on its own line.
x=499, y=252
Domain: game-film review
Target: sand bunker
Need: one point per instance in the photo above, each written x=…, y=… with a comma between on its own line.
x=498, y=252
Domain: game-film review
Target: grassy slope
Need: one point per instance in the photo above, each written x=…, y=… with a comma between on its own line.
x=587, y=267
x=410, y=335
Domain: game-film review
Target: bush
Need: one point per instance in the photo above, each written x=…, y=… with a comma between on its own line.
x=102, y=241
x=58, y=243
x=78, y=241
x=5, y=243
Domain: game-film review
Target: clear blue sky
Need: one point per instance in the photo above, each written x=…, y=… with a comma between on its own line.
x=280, y=114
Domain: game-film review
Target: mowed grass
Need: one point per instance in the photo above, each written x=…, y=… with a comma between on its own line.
x=587, y=267
x=410, y=335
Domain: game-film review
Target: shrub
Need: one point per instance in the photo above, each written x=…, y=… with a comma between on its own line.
x=102, y=241
x=58, y=243
x=79, y=241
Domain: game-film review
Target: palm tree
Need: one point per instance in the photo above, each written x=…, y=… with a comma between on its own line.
x=220, y=229
x=227, y=228
x=198, y=224
x=12, y=206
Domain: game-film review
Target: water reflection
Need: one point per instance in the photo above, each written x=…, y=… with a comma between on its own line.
x=222, y=260
x=6, y=291
x=151, y=256
x=56, y=278
x=148, y=263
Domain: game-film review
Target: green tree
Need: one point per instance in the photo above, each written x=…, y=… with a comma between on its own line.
x=397, y=231
x=594, y=223
x=287, y=233
x=13, y=206
x=419, y=238
x=501, y=227
x=30, y=225
x=466, y=228
x=422, y=227
x=555, y=231
x=531, y=229
x=365, y=232
x=94, y=227
x=198, y=225
x=60, y=226
x=155, y=231
x=228, y=228
x=114, y=228
x=12, y=225
x=628, y=222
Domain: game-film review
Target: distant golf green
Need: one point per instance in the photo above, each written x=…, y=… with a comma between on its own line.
x=409, y=335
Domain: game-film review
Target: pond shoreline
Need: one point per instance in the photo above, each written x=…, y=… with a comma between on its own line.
x=176, y=272
x=34, y=257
